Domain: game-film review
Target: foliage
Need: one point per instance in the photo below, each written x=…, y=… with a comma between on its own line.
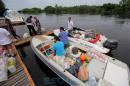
x=110, y=9
x=124, y=8
x=2, y=8
x=83, y=9
x=121, y=10
x=49, y=9
x=32, y=10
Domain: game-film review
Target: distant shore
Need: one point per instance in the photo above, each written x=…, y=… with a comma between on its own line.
x=105, y=9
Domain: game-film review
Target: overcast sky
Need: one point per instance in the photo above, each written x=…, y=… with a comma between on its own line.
x=20, y=4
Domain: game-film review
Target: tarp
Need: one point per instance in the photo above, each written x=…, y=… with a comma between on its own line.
x=96, y=39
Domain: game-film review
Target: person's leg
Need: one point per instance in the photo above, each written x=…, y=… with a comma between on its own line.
x=18, y=36
x=34, y=31
x=56, y=59
x=6, y=48
x=39, y=31
x=29, y=28
x=61, y=60
x=15, y=35
x=12, y=52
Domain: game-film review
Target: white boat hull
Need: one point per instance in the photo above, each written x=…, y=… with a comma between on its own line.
x=107, y=71
x=57, y=69
x=14, y=16
x=98, y=46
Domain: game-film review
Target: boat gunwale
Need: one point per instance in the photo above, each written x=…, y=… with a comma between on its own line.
x=47, y=62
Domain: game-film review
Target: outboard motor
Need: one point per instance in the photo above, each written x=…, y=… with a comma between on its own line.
x=111, y=44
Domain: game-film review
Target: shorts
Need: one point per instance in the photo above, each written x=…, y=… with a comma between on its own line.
x=60, y=60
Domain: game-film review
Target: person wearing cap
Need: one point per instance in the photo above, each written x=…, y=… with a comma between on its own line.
x=63, y=35
x=6, y=39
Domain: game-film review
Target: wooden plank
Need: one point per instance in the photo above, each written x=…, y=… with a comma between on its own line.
x=14, y=24
x=18, y=23
x=11, y=81
x=24, y=67
x=27, y=40
x=22, y=41
x=40, y=38
x=48, y=33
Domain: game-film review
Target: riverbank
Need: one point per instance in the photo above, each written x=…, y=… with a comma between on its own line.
x=121, y=10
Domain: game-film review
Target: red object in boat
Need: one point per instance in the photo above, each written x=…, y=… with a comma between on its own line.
x=83, y=57
x=42, y=49
x=96, y=39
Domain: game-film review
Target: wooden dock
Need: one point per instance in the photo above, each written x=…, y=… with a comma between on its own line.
x=21, y=77
x=27, y=40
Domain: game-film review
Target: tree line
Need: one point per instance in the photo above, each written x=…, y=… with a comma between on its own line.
x=2, y=7
x=122, y=9
x=106, y=9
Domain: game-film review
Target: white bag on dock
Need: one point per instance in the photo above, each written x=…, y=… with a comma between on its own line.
x=3, y=70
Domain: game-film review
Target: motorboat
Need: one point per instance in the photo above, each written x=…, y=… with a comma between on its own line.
x=91, y=38
x=102, y=70
x=13, y=16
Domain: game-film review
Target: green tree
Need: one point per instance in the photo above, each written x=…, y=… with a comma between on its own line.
x=58, y=9
x=2, y=7
x=124, y=8
x=31, y=10
x=110, y=9
x=49, y=9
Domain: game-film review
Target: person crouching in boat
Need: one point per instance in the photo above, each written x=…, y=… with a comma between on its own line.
x=58, y=47
x=5, y=40
x=63, y=35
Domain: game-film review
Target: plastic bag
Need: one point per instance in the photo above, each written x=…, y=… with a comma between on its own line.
x=3, y=70
x=83, y=73
x=11, y=64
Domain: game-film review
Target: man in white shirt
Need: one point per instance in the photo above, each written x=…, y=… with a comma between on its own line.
x=70, y=24
x=5, y=39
